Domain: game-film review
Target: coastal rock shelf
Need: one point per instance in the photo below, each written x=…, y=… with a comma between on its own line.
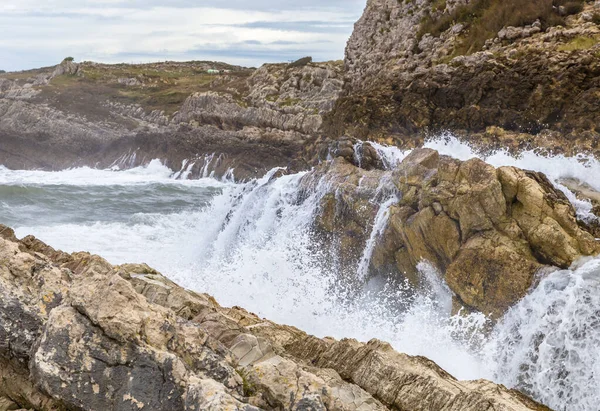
x=78, y=333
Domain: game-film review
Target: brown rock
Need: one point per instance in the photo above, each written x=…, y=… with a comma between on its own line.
x=487, y=230
x=491, y=273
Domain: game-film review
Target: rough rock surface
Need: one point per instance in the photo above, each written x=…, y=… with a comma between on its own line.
x=252, y=120
x=530, y=86
x=78, y=333
x=487, y=230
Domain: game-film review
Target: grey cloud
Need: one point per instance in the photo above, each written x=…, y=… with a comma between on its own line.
x=42, y=36
x=355, y=6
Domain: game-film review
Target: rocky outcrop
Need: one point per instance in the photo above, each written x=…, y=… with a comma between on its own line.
x=224, y=112
x=39, y=137
x=280, y=97
x=89, y=114
x=527, y=86
x=487, y=231
x=80, y=334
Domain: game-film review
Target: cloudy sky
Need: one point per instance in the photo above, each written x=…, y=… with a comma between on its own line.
x=36, y=33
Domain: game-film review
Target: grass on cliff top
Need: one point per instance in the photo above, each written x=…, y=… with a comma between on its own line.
x=163, y=86
x=25, y=74
x=579, y=43
x=485, y=18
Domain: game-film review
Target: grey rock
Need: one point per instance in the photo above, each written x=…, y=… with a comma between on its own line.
x=86, y=335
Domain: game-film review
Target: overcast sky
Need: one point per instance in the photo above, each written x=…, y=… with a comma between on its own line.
x=36, y=33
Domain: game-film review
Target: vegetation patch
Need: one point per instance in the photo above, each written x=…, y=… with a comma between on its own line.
x=290, y=102
x=154, y=86
x=248, y=387
x=579, y=43
x=485, y=18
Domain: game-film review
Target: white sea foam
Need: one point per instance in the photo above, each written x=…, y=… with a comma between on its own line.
x=154, y=172
x=548, y=344
x=584, y=168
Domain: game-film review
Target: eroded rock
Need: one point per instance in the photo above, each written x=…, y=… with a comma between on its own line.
x=487, y=230
x=151, y=344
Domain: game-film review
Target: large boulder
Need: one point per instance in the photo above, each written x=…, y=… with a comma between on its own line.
x=78, y=333
x=488, y=231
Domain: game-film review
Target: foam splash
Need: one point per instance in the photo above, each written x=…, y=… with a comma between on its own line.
x=379, y=226
x=547, y=345
x=582, y=167
x=152, y=173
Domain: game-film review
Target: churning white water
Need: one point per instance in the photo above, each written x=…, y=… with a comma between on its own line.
x=252, y=245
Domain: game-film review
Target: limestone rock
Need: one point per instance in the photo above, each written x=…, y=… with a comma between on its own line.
x=85, y=335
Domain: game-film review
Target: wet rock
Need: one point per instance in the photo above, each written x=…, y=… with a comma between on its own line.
x=496, y=228
x=585, y=192
x=487, y=230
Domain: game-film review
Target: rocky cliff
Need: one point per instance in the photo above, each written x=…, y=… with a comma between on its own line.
x=77, y=333
x=125, y=115
x=510, y=74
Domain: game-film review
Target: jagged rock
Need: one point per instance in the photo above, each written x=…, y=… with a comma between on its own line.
x=508, y=222
x=66, y=67
x=487, y=230
x=407, y=84
x=85, y=335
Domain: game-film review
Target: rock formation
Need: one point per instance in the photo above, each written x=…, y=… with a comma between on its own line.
x=78, y=333
x=488, y=231
x=251, y=120
x=412, y=69
x=408, y=76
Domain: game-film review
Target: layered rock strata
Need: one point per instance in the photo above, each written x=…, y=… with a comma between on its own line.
x=78, y=333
